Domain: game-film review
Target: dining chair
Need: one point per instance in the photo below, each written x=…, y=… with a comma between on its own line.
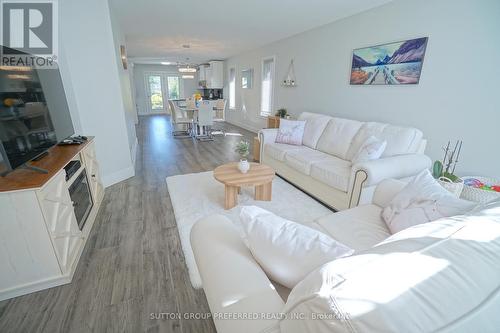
x=177, y=120
x=205, y=121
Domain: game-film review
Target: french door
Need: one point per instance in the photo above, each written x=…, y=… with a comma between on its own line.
x=160, y=87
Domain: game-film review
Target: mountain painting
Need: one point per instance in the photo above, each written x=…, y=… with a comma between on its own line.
x=394, y=63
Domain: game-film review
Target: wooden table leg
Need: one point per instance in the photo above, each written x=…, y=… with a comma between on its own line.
x=231, y=197
x=264, y=192
x=239, y=189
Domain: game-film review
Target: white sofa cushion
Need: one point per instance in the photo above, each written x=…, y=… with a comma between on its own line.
x=315, y=125
x=422, y=200
x=287, y=251
x=291, y=132
x=278, y=150
x=400, y=140
x=302, y=159
x=337, y=136
x=372, y=149
x=439, y=276
x=360, y=228
x=332, y=171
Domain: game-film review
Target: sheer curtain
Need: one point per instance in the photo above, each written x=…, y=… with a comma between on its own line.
x=266, y=102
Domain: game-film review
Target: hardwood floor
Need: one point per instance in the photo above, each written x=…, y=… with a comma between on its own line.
x=132, y=267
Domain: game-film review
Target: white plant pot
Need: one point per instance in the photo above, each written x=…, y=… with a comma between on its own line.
x=243, y=166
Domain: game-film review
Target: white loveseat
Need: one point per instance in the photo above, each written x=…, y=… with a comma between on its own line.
x=440, y=276
x=322, y=166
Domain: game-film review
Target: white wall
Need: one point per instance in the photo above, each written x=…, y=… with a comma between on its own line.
x=458, y=94
x=188, y=86
x=92, y=82
x=125, y=83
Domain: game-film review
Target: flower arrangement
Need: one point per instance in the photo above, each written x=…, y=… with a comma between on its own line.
x=446, y=168
x=243, y=149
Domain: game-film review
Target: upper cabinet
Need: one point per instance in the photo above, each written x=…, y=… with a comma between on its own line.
x=212, y=75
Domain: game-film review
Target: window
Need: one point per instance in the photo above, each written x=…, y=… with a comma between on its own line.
x=174, y=87
x=232, y=88
x=266, y=101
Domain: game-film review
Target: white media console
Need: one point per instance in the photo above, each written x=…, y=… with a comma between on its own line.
x=40, y=238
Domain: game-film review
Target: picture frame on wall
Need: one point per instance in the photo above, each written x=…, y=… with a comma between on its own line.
x=397, y=63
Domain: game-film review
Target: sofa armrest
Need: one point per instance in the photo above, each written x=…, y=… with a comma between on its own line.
x=397, y=167
x=267, y=135
x=233, y=281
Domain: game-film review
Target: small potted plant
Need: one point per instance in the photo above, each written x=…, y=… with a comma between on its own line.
x=243, y=149
x=444, y=171
x=281, y=113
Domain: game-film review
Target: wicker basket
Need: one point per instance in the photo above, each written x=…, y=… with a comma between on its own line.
x=454, y=188
x=478, y=195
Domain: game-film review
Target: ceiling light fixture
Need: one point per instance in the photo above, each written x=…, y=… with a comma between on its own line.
x=187, y=69
x=167, y=63
x=188, y=76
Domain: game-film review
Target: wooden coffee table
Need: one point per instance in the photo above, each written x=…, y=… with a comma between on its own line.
x=260, y=175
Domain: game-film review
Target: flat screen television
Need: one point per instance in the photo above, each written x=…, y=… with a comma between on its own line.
x=34, y=114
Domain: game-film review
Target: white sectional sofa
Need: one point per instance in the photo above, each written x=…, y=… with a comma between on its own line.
x=441, y=276
x=322, y=166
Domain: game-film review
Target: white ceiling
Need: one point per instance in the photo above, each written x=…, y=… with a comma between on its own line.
x=155, y=30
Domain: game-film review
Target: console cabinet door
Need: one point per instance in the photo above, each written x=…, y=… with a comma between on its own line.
x=60, y=220
x=92, y=166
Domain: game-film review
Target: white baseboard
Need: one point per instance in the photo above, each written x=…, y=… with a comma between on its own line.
x=118, y=176
x=33, y=287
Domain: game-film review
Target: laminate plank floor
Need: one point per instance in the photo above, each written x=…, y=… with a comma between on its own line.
x=132, y=267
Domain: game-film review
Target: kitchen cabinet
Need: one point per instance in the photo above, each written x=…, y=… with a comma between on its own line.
x=211, y=76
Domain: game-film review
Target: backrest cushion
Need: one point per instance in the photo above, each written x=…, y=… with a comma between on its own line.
x=430, y=277
x=400, y=140
x=315, y=125
x=337, y=136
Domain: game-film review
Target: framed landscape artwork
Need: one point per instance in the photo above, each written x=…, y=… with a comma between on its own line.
x=389, y=64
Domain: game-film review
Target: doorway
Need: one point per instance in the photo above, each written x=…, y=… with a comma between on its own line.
x=160, y=87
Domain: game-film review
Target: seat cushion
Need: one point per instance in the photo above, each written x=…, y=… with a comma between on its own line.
x=278, y=150
x=440, y=276
x=302, y=159
x=315, y=125
x=332, y=171
x=359, y=228
x=337, y=136
x=400, y=140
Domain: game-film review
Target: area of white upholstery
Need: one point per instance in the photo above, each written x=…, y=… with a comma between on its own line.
x=233, y=281
x=329, y=145
x=400, y=140
x=337, y=136
x=440, y=276
x=302, y=159
x=359, y=228
x=278, y=150
x=333, y=171
x=315, y=125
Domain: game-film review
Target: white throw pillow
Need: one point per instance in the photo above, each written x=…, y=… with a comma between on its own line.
x=370, y=150
x=287, y=251
x=291, y=132
x=422, y=200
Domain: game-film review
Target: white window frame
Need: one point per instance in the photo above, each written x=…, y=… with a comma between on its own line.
x=263, y=113
x=232, y=89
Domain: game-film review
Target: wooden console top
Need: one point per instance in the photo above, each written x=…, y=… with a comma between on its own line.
x=58, y=157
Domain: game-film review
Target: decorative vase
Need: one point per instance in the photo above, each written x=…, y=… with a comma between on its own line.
x=243, y=166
